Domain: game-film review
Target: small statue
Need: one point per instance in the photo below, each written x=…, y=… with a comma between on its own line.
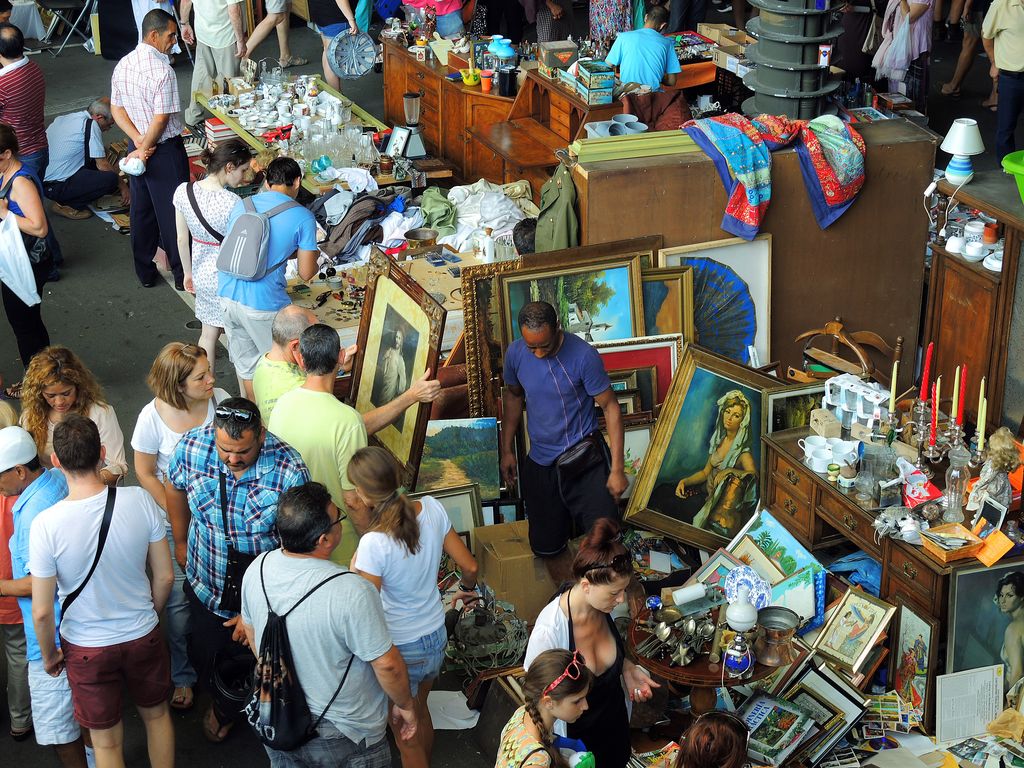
x=994, y=481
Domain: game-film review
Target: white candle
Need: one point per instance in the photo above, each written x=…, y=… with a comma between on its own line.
x=892, y=387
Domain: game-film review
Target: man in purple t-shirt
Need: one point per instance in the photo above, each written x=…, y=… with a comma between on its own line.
x=559, y=377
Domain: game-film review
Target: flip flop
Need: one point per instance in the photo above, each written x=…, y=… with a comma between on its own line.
x=293, y=61
x=182, y=699
x=212, y=728
x=13, y=392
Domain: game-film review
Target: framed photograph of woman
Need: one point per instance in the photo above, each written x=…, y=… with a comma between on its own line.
x=407, y=327
x=986, y=619
x=848, y=637
x=914, y=658
x=699, y=482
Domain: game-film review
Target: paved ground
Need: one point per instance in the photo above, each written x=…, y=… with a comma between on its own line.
x=99, y=310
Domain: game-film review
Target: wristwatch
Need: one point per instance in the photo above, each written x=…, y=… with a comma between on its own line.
x=464, y=588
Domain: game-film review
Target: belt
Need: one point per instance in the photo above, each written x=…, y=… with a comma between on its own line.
x=1014, y=75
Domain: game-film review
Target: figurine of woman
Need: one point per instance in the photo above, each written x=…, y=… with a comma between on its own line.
x=994, y=482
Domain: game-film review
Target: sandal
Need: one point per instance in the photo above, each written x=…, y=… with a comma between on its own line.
x=212, y=728
x=945, y=90
x=293, y=61
x=182, y=699
x=13, y=392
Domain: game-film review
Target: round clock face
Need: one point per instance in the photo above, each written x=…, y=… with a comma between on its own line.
x=351, y=56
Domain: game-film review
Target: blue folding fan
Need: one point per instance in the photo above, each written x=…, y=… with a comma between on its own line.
x=724, y=315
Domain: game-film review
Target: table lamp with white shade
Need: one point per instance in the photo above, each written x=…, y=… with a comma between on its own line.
x=962, y=141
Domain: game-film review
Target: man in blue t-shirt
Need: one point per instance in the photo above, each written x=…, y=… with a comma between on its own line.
x=646, y=56
x=559, y=377
x=250, y=305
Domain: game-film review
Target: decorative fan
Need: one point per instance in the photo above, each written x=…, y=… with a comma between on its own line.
x=351, y=56
x=724, y=316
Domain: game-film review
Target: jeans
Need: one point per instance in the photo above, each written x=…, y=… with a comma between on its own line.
x=332, y=749
x=450, y=25
x=1011, y=103
x=176, y=626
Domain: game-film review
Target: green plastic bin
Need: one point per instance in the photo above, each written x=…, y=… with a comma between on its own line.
x=1014, y=163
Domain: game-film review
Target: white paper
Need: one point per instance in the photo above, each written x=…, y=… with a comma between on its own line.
x=449, y=712
x=966, y=702
x=661, y=561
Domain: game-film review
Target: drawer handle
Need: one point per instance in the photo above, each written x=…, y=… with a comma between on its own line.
x=792, y=476
x=910, y=570
x=850, y=523
x=419, y=75
x=790, y=507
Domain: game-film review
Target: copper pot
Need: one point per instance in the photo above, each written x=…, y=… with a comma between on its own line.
x=774, y=644
x=421, y=237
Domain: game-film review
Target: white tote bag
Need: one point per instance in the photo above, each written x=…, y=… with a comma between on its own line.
x=15, y=268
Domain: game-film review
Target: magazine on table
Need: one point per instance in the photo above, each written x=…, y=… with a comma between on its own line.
x=777, y=728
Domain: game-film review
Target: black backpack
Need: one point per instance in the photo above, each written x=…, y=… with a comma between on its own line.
x=277, y=709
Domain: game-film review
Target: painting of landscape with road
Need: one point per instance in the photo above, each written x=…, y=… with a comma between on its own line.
x=460, y=451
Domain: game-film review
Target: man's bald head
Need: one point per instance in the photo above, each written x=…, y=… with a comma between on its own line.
x=289, y=323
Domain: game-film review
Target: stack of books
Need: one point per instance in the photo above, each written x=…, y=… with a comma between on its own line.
x=217, y=131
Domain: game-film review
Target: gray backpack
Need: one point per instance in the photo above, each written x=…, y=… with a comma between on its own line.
x=243, y=254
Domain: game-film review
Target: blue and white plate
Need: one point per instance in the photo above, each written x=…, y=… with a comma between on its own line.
x=745, y=576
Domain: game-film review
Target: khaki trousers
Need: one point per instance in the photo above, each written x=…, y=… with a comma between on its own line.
x=18, y=701
x=211, y=63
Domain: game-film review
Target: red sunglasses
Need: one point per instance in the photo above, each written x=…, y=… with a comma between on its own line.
x=573, y=670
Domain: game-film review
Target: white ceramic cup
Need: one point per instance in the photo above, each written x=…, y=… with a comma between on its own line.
x=955, y=244
x=974, y=249
x=811, y=444
x=973, y=231
x=819, y=459
x=303, y=123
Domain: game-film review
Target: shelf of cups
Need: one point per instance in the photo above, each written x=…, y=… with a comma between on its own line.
x=974, y=266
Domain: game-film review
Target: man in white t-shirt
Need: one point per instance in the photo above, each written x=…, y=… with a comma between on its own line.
x=219, y=38
x=341, y=625
x=111, y=639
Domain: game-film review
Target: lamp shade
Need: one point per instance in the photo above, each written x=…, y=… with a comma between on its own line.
x=963, y=138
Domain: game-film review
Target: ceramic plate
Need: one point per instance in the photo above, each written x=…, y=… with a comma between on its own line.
x=745, y=576
x=992, y=263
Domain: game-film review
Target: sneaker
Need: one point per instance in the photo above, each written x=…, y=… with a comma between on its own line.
x=71, y=213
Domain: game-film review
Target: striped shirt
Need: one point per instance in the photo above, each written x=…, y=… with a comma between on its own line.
x=251, y=513
x=66, y=137
x=22, y=96
x=144, y=84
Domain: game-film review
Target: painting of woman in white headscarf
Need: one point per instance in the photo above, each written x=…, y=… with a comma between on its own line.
x=708, y=478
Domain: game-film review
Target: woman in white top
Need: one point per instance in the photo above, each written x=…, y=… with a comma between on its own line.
x=400, y=554
x=185, y=399
x=58, y=383
x=199, y=241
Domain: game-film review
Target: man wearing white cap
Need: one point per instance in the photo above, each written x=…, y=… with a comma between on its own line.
x=37, y=490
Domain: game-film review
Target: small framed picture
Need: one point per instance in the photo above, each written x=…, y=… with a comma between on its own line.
x=991, y=516
x=848, y=637
x=748, y=553
x=826, y=714
x=714, y=571
x=790, y=407
x=462, y=503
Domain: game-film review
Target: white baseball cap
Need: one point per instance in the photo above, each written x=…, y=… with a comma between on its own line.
x=16, y=447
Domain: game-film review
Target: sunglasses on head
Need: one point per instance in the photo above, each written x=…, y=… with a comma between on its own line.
x=236, y=414
x=618, y=563
x=573, y=670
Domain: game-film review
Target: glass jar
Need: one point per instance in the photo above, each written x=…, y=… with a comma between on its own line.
x=956, y=483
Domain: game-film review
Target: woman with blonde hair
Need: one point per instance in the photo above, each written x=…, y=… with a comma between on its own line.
x=555, y=688
x=184, y=399
x=58, y=383
x=399, y=554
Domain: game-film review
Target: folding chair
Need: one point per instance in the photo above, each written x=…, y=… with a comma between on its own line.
x=64, y=13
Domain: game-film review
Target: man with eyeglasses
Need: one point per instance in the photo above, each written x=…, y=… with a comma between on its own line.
x=343, y=624
x=225, y=481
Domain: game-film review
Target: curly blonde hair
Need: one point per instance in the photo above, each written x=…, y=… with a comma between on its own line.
x=55, y=365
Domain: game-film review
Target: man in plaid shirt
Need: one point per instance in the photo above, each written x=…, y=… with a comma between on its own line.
x=255, y=468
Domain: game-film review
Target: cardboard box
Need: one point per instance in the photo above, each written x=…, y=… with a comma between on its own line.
x=508, y=566
x=558, y=54
x=714, y=32
x=595, y=74
x=725, y=55
x=736, y=36
x=594, y=96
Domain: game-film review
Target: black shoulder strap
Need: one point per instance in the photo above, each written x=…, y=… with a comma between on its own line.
x=530, y=754
x=88, y=137
x=5, y=190
x=108, y=513
x=199, y=214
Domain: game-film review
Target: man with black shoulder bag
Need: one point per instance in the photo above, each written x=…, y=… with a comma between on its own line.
x=224, y=483
x=572, y=476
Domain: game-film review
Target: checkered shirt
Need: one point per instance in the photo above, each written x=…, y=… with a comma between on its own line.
x=144, y=84
x=195, y=468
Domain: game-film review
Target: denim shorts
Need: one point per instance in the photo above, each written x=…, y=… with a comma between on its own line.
x=330, y=31
x=332, y=749
x=450, y=24
x=423, y=657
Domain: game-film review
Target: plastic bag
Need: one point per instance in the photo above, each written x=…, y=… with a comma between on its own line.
x=15, y=267
x=893, y=60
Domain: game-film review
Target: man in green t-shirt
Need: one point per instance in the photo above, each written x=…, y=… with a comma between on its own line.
x=278, y=370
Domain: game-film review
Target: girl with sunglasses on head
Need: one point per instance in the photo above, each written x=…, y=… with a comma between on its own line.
x=181, y=381
x=715, y=740
x=555, y=689
x=580, y=619
x=399, y=554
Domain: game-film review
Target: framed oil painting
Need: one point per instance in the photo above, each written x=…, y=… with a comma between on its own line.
x=699, y=483
x=850, y=634
x=985, y=618
x=748, y=553
x=668, y=301
x=461, y=502
x=461, y=451
x=654, y=358
x=825, y=713
x=914, y=659
x=482, y=312
x=732, y=293
x=790, y=407
x=407, y=327
x=597, y=299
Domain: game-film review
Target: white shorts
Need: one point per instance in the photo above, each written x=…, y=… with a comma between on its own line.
x=53, y=714
x=249, y=337
x=277, y=6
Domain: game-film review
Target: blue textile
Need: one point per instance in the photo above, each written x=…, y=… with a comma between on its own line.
x=45, y=491
x=863, y=570
x=294, y=229
x=643, y=56
x=560, y=391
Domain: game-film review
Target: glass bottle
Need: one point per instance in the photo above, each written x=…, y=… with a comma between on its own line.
x=956, y=483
